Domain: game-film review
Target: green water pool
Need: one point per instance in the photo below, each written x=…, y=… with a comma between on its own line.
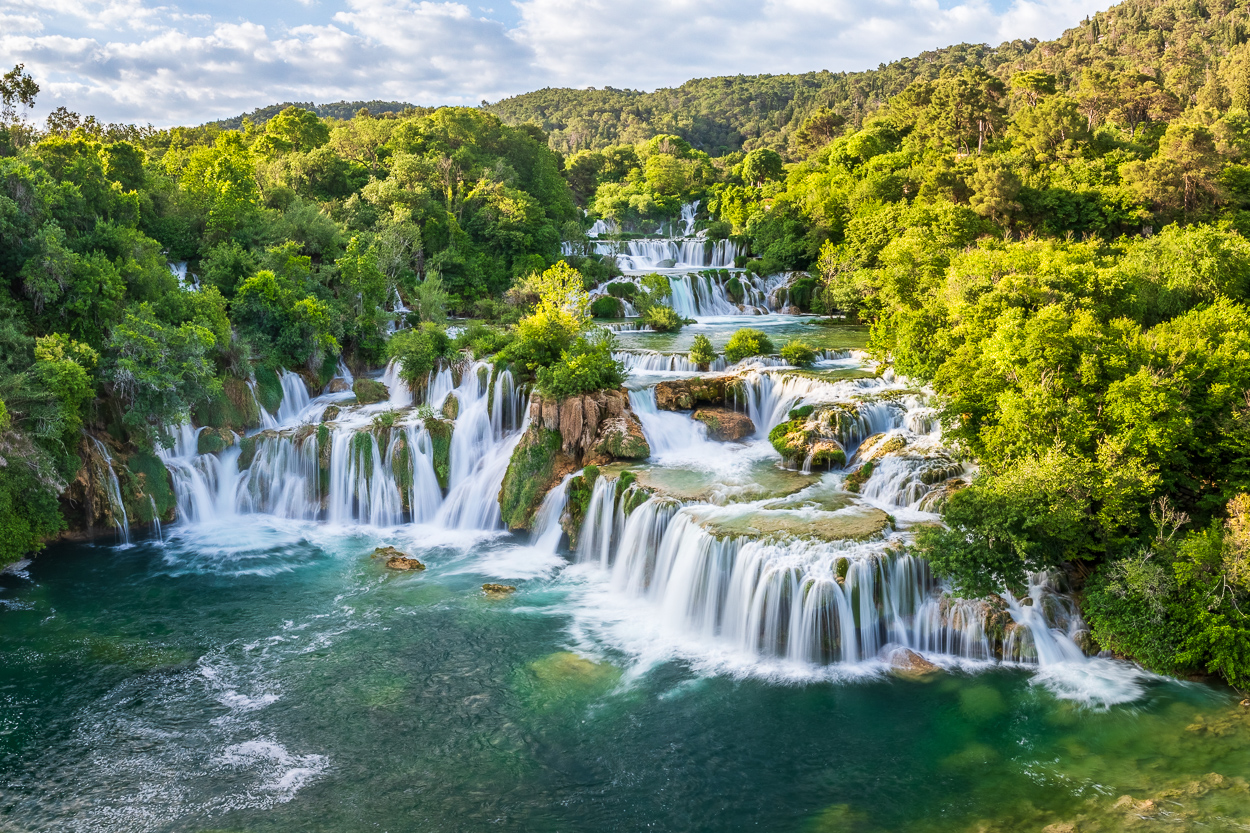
x=270, y=677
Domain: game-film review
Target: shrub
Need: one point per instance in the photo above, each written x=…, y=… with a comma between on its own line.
x=585, y=367
x=418, y=351
x=747, y=342
x=482, y=339
x=662, y=319
x=605, y=306
x=622, y=289
x=798, y=354
x=701, y=352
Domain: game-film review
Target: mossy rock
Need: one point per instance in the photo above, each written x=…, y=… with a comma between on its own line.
x=331, y=413
x=856, y=479
x=451, y=407
x=147, y=489
x=577, y=501
x=440, y=431
x=791, y=440
x=529, y=476
x=215, y=440
x=268, y=388
x=247, y=452
x=369, y=391
x=233, y=407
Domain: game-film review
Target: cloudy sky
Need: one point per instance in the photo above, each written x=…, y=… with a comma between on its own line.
x=193, y=61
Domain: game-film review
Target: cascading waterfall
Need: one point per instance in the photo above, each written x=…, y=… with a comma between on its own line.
x=114, y=491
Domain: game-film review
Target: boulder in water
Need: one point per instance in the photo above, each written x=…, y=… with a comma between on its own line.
x=369, y=391
x=620, y=438
x=498, y=591
x=685, y=394
x=330, y=414
x=725, y=424
x=907, y=663
x=451, y=407
x=338, y=385
x=397, y=559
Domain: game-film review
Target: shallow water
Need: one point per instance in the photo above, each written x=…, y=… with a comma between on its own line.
x=268, y=676
x=817, y=332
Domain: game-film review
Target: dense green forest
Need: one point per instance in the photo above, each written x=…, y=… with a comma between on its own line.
x=1051, y=235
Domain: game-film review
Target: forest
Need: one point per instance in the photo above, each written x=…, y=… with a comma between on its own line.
x=1053, y=236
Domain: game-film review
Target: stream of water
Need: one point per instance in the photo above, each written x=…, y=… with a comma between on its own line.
x=715, y=655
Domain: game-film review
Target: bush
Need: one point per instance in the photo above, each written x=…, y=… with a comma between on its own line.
x=798, y=354
x=605, y=306
x=662, y=319
x=622, y=289
x=418, y=351
x=747, y=342
x=585, y=367
x=701, y=352
x=482, y=339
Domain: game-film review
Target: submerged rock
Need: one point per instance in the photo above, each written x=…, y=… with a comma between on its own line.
x=397, y=559
x=498, y=591
x=725, y=424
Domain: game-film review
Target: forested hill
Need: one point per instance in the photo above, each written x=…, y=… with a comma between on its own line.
x=336, y=110
x=1181, y=44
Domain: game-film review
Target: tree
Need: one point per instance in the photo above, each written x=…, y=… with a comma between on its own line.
x=294, y=129
x=1053, y=128
x=1033, y=85
x=701, y=352
x=995, y=187
x=17, y=90
x=762, y=165
x=818, y=130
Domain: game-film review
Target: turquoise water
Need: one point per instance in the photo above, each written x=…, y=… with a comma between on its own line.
x=268, y=676
x=818, y=333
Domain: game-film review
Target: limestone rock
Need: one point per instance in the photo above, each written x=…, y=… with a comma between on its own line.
x=330, y=414
x=620, y=438
x=685, y=394
x=338, y=385
x=369, y=391
x=498, y=591
x=725, y=424
x=908, y=663
x=397, y=559
x=451, y=407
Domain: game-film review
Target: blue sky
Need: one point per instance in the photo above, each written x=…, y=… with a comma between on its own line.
x=188, y=62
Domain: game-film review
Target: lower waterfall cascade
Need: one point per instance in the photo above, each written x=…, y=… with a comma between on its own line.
x=813, y=576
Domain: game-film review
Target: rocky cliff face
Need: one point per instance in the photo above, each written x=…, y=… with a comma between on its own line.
x=563, y=436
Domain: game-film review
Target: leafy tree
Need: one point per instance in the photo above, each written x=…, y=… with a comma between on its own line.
x=797, y=353
x=701, y=352
x=585, y=366
x=745, y=343
x=762, y=165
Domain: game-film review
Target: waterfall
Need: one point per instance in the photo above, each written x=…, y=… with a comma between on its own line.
x=294, y=398
x=808, y=602
x=547, y=531
x=114, y=490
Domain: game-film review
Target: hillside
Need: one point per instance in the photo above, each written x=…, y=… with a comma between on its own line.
x=1173, y=41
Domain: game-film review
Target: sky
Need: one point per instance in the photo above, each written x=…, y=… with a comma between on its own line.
x=191, y=62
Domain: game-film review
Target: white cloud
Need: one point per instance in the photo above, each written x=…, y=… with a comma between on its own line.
x=130, y=60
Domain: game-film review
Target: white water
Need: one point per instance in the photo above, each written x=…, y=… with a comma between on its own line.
x=763, y=598
x=114, y=491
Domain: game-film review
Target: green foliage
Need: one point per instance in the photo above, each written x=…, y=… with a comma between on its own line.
x=606, y=306
x=585, y=367
x=29, y=514
x=701, y=352
x=418, y=351
x=482, y=339
x=745, y=343
x=529, y=472
x=662, y=319
x=797, y=353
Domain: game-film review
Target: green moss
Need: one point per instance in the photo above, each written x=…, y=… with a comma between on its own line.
x=233, y=407
x=605, y=306
x=801, y=412
x=451, y=405
x=529, y=472
x=858, y=478
x=147, y=489
x=268, y=389
x=626, y=480
x=440, y=441
x=247, y=452
x=790, y=439
x=361, y=449
x=214, y=440
x=330, y=414
x=632, y=498
x=829, y=455
x=369, y=391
